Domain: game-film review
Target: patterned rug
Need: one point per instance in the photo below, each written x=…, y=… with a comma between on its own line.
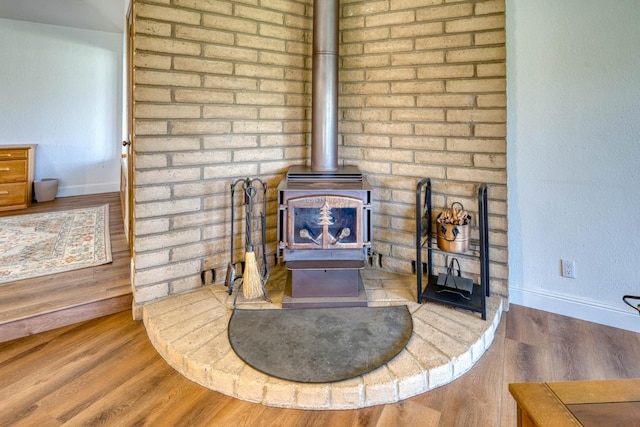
x=46, y=243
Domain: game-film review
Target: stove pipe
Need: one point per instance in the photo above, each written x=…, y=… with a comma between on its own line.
x=324, y=108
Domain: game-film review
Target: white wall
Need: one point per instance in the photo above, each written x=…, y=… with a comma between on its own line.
x=61, y=88
x=574, y=156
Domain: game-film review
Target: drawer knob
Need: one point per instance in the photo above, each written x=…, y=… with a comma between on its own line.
x=2, y=193
x=5, y=169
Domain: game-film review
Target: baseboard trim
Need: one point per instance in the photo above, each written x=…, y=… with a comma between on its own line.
x=83, y=190
x=591, y=311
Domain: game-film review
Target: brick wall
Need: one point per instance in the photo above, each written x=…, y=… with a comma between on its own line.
x=222, y=91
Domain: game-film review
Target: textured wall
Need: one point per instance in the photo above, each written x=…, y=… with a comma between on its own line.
x=222, y=91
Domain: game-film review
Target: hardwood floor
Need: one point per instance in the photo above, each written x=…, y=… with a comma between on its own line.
x=43, y=303
x=105, y=372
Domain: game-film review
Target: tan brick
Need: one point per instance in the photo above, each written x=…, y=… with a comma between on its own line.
x=389, y=155
x=146, y=60
x=417, y=86
x=476, y=85
x=418, y=170
x=152, y=94
x=259, y=126
x=167, y=272
x=485, y=130
x=416, y=30
x=477, y=145
x=444, y=158
x=365, y=35
x=284, y=33
x=488, y=101
x=261, y=71
x=442, y=129
x=200, y=158
x=229, y=112
x=259, y=99
x=215, y=6
x=281, y=59
x=203, y=34
x=238, y=25
x=282, y=113
x=228, y=141
x=418, y=143
x=419, y=58
x=366, y=8
x=142, y=127
x=475, y=116
x=477, y=175
x=475, y=24
x=445, y=71
x=366, y=61
x=166, y=111
x=231, y=171
x=388, y=46
x=390, y=101
x=390, y=19
x=153, y=28
x=231, y=83
x=284, y=6
x=478, y=54
x=161, y=13
x=445, y=101
x=164, y=45
x=259, y=14
x=158, y=144
x=199, y=127
x=162, y=176
x=367, y=141
x=492, y=6
x=411, y=4
x=203, y=96
x=226, y=52
x=146, y=161
x=418, y=115
x=495, y=161
x=440, y=13
x=388, y=128
x=492, y=70
x=444, y=42
x=262, y=43
x=159, y=78
x=367, y=115
x=365, y=88
x=489, y=37
x=152, y=259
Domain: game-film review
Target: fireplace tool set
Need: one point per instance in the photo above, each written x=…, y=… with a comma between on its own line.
x=253, y=270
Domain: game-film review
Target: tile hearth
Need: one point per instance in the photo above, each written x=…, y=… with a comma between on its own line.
x=190, y=332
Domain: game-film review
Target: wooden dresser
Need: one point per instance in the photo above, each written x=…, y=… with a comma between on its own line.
x=17, y=164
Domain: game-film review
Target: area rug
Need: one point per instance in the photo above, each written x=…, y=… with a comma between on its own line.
x=46, y=243
x=319, y=345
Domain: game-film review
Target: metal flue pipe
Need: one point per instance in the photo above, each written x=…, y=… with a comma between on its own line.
x=324, y=108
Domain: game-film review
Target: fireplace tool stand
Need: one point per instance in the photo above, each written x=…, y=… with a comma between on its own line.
x=254, y=196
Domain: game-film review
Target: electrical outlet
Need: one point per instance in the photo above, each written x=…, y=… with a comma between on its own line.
x=568, y=269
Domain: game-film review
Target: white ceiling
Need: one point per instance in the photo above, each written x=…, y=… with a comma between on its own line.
x=98, y=15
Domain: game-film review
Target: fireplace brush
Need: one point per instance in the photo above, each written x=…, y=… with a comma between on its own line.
x=254, y=274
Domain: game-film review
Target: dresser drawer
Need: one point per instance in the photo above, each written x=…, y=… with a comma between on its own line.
x=14, y=194
x=13, y=171
x=14, y=153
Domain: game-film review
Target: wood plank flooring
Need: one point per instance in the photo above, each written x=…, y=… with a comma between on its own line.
x=43, y=303
x=105, y=372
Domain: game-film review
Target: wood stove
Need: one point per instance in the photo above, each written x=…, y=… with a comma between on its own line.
x=324, y=219
x=324, y=232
